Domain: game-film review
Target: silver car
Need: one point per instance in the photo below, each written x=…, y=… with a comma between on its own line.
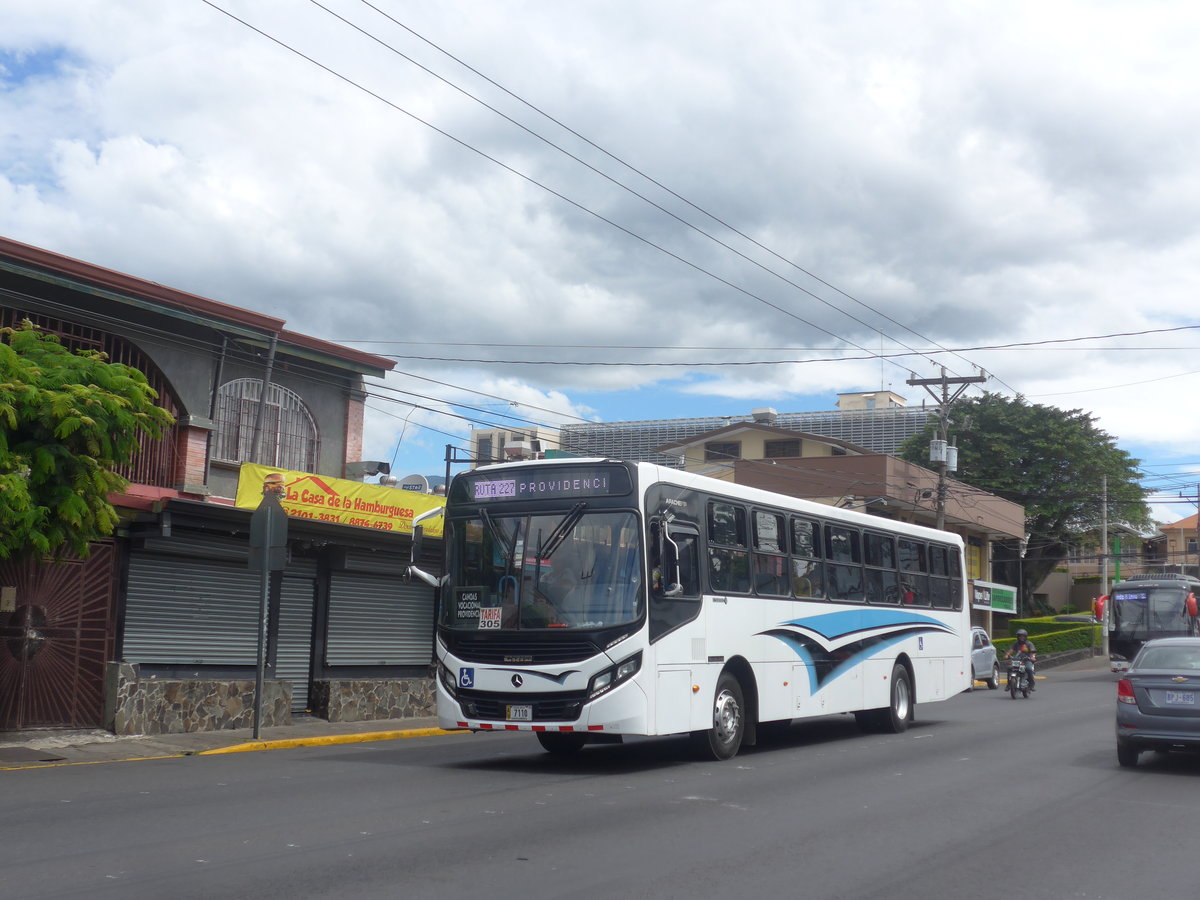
x=1158, y=699
x=984, y=666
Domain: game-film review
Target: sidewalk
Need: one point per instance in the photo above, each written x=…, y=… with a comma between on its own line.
x=42, y=749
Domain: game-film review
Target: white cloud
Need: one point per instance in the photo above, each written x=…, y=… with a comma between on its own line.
x=979, y=174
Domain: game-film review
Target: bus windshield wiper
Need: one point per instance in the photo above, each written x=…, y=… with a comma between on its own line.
x=559, y=534
x=499, y=537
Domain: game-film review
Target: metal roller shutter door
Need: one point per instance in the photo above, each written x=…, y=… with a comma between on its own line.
x=183, y=611
x=190, y=612
x=379, y=620
x=293, y=655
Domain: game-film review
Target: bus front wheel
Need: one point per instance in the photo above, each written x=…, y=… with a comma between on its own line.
x=561, y=743
x=723, y=740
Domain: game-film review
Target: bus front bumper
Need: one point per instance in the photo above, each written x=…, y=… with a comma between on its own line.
x=623, y=710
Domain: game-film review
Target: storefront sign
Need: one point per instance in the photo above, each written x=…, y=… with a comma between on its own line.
x=1001, y=598
x=341, y=501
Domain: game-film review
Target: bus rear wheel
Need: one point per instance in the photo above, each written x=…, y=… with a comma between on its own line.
x=894, y=717
x=724, y=739
x=561, y=743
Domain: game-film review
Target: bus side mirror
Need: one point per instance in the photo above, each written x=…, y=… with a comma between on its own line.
x=418, y=543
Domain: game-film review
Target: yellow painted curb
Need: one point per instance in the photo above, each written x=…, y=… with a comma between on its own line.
x=326, y=740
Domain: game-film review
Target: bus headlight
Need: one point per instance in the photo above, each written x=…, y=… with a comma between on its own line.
x=448, y=680
x=608, y=679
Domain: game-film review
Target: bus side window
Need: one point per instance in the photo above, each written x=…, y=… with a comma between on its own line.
x=940, y=584
x=879, y=551
x=954, y=570
x=808, y=575
x=681, y=557
x=843, y=550
x=914, y=564
x=729, y=560
x=770, y=565
x=728, y=571
x=689, y=562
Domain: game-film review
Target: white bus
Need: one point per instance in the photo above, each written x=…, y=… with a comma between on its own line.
x=587, y=599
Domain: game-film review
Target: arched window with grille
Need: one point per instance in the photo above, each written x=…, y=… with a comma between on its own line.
x=289, y=433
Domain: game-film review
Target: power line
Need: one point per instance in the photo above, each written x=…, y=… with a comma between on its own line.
x=605, y=175
x=1049, y=342
x=695, y=266
x=660, y=185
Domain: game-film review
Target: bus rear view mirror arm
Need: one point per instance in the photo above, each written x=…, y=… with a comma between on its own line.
x=432, y=580
x=675, y=587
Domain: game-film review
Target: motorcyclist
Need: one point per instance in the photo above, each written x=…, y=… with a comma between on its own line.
x=1024, y=646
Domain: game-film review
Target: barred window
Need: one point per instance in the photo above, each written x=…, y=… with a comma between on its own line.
x=289, y=434
x=722, y=451
x=781, y=449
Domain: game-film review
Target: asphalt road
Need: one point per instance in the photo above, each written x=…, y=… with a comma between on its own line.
x=984, y=796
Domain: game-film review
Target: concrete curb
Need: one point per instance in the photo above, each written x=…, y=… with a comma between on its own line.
x=245, y=746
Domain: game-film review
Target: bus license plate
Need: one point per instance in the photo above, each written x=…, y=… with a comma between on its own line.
x=522, y=713
x=1180, y=698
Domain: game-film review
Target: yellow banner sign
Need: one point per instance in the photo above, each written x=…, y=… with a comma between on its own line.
x=340, y=500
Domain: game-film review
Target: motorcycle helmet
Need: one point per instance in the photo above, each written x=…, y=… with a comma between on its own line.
x=1021, y=632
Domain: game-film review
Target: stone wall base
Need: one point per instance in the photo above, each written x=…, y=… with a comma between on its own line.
x=137, y=705
x=361, y=701
x=1050, y=660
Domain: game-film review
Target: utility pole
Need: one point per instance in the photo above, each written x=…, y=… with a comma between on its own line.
x=944, y=398
x=1107, y=617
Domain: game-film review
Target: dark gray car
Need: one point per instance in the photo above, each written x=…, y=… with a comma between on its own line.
x=1158, y=699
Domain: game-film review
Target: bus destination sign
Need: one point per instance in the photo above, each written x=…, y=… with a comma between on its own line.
x=549, y=485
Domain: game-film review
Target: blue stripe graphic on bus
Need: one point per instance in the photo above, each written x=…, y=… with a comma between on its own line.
x=832, y=626
x=833, y=643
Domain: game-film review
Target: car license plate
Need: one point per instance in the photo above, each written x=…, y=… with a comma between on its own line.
x=523, y=713
x=1180, y=698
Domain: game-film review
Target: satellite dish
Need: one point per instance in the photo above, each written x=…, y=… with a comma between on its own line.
x=416, y=483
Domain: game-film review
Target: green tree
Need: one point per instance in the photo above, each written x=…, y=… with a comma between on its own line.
x=67, y=420
x=1051, y=461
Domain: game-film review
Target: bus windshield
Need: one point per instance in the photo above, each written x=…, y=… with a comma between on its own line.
x=1150, y=610
x=573, y=570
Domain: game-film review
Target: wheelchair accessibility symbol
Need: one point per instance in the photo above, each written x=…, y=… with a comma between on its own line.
x=466, y=677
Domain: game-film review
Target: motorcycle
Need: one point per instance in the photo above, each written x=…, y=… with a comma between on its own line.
x=1018, y=676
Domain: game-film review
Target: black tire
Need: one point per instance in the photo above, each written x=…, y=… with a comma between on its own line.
x=1012, y=689
x=724, y=739
x=900, y=709
x=994, y=681
x=561, y=743
x=894, y=718
x=1025, y=693
x=1127, y=756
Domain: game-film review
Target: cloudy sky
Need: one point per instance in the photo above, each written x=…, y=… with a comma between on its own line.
x=716, y=206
